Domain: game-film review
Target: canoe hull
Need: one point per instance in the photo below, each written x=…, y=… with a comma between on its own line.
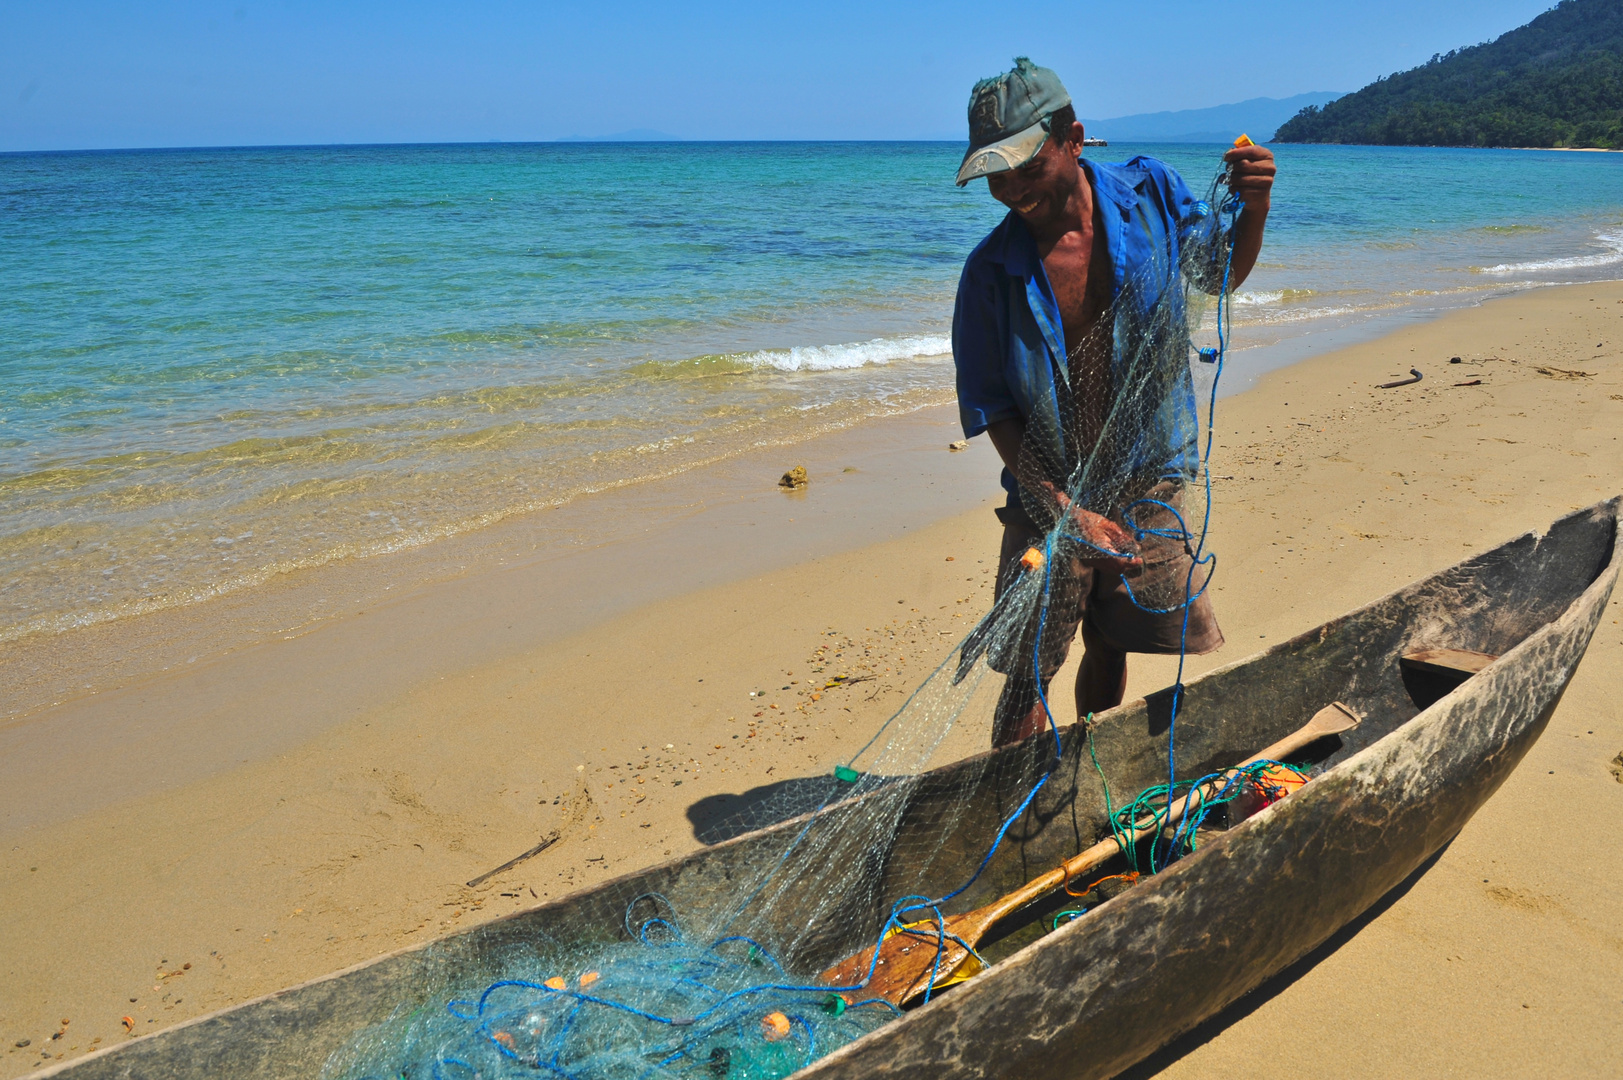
x=1110, y=988
x=1101, y=994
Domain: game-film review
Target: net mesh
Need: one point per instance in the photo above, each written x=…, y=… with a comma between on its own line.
x=633, y=986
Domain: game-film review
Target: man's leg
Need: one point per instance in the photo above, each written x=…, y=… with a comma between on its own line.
x=1101, y=681
x=1016, y=717
x=1019, y=713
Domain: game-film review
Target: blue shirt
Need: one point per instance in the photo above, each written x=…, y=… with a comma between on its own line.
x=1008, y=341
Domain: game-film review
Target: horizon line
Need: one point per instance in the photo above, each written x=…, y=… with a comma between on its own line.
x=568, y=140
x=563, y=141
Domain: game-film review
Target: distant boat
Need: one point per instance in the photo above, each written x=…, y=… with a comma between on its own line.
x=1095, y=142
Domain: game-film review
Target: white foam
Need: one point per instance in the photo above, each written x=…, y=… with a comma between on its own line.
x=854, y=355
x=1264, y=297
x=1613, y=242
x=1276, y=318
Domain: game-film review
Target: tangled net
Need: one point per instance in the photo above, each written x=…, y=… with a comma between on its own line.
x=724, y=1009
x=731, y=989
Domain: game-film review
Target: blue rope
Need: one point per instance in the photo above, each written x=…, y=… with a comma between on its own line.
x=1230, y=206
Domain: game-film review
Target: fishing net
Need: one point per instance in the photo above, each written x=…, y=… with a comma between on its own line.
x=721, y=978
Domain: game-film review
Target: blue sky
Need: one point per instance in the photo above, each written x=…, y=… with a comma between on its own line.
x=85, y=74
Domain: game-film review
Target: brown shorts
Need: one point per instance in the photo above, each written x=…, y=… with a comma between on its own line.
x=1102, y=600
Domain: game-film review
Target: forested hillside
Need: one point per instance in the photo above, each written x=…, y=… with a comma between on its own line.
x=1558, y=81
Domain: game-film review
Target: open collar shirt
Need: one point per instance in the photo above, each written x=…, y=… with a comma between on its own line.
x=1008, y=340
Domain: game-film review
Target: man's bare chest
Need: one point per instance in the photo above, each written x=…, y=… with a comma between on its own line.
x=1080, y=278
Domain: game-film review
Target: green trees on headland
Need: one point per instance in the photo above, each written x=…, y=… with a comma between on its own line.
x=1558, y=81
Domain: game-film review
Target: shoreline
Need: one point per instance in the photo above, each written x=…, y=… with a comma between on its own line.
x=52, y=668
x=1571, y=149
x=371, y=629
x=351, y=836
x=1450, y=146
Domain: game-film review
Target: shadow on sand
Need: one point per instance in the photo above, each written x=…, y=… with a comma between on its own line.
x=721, y=817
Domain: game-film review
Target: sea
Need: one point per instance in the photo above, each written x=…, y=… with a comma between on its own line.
x=221, y=365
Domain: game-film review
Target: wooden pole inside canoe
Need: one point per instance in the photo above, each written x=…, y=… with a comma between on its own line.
x=909, y=957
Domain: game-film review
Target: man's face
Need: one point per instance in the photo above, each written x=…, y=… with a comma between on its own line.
x=1039, y=189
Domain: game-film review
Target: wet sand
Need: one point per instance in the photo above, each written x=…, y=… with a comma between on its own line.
x=128, y=708
x=282, y=808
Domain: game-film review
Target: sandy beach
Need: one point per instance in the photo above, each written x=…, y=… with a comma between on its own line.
x=263, y=790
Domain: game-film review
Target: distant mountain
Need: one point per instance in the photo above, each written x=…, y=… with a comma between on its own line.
x=1558, y=81
x=1257, y=117
x=634, y=135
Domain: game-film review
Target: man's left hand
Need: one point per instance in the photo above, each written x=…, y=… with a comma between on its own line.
x=1251, y=174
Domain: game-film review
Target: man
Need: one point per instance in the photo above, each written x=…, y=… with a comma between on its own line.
x=1041, y=312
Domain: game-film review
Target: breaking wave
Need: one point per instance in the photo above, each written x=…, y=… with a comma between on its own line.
x=856, y=355
x=1258, y=297
x=1613, y=241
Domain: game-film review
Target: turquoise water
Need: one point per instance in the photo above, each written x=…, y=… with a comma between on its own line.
x=222, y=364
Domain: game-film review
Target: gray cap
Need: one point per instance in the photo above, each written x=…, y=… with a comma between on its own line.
x=1007, y=115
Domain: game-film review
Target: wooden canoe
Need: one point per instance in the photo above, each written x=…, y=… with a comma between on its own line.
x=1109, y=988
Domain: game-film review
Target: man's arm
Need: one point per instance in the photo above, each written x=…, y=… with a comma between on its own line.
x=1252, y=178
x=1006, y=436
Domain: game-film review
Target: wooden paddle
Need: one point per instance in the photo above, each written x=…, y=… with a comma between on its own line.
x=907, y=957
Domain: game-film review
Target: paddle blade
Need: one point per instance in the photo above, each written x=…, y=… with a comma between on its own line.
x=907, y=959
x=1333, y=719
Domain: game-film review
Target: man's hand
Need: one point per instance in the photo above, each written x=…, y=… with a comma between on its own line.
x=1251, y=174
x=1101, y=532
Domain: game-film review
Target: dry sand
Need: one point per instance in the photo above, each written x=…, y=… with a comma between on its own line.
x=162, y=897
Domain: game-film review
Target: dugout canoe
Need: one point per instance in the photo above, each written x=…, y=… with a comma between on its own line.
x=1106, y=990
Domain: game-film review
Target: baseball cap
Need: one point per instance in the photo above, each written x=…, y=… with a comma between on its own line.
x=1006, y=118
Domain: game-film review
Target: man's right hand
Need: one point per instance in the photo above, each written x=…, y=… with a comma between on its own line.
x=1102, y=533
x=1105, y=534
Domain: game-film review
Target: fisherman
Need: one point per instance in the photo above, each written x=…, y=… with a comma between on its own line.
x=1035, y=312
